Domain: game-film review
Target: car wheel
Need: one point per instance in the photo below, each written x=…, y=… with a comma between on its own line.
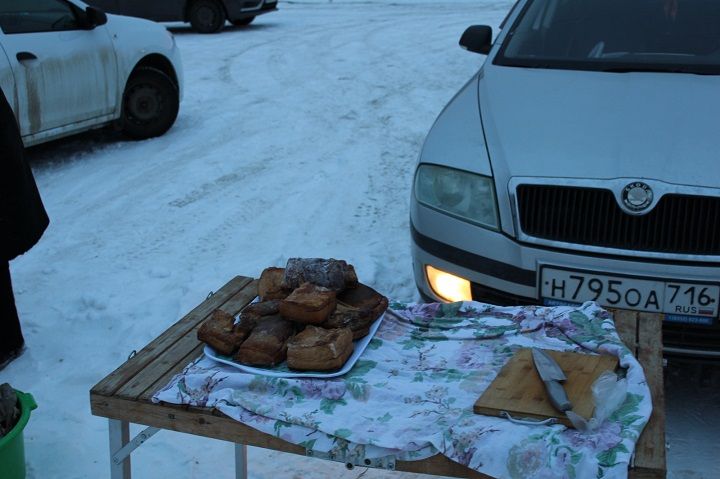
x=150, y=104
x=243, y=21
x=206, y=16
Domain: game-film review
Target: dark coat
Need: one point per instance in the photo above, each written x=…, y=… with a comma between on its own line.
x=22, y=215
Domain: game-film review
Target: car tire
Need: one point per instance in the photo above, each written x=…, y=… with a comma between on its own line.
x=243, y=21
x=150, y=104
x=206, y=16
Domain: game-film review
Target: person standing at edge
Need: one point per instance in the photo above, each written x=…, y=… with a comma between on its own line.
x=22, y=222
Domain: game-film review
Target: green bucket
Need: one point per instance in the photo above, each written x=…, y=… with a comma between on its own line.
x=12, y=446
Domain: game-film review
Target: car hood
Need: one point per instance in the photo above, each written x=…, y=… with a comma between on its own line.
x=575, y=124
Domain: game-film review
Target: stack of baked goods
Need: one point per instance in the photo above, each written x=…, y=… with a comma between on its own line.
x=308, y=315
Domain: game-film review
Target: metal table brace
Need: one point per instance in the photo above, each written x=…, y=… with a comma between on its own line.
x=121, y=447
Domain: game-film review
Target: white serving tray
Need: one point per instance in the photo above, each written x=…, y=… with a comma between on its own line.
x=282, y=371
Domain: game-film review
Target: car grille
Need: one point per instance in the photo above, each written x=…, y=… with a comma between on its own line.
x=682, y=224
x=688, y=337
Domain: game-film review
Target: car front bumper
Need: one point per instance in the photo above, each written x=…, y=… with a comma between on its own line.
x=243, y=8
x=504, y=271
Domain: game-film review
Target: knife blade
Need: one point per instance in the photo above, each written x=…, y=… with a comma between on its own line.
x=552, y=376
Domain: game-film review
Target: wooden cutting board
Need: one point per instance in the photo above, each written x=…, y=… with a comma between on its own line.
x=519, y=391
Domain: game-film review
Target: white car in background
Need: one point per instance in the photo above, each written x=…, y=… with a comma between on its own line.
x=66, y=67
x=582, y=163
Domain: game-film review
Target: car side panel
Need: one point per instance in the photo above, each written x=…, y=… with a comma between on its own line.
x=456, y=138
x=72, y=77
x=67, y=130
x=135, y=39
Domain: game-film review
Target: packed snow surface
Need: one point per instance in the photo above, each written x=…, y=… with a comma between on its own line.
x=297, y=136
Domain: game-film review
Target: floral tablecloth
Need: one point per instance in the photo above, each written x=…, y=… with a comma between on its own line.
x=412, y=391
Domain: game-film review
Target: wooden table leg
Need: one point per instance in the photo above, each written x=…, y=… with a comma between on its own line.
x=119, y=437
x=240, y=461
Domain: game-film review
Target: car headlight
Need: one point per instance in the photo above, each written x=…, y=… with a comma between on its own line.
x=465, y=195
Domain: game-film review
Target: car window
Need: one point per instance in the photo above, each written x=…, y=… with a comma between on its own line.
x=26, y=16
x=616, y=35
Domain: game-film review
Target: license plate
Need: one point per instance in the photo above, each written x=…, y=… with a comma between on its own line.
x=679, y=298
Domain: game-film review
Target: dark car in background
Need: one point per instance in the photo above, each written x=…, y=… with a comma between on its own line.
x=205, y=16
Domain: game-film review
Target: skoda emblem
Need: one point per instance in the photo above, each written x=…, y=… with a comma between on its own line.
x=637, y=196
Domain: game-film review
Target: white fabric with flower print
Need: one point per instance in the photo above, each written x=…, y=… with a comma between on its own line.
x=411, y=393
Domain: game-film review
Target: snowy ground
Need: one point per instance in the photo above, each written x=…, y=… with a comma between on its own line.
x=297, y=137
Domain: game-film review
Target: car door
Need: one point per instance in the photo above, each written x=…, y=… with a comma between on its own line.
x=65, y=72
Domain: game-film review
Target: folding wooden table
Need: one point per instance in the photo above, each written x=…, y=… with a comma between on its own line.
x=124, y=396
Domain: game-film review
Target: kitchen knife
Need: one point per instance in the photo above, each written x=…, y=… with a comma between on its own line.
x=553, y=376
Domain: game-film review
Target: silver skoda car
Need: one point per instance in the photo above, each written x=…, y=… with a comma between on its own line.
x=582, y=162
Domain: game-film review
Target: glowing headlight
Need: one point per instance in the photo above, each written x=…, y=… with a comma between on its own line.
x=448, y=286
x=466, y=195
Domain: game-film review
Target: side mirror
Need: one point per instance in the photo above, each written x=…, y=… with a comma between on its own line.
x=95, y=17
x=477, y=38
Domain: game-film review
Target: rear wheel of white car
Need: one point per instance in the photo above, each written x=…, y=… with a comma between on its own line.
x=243, y=21
x=150, y=104
x=206, y=16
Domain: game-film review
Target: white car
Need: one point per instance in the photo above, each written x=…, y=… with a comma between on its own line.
x=66, y=67
x=582, y=162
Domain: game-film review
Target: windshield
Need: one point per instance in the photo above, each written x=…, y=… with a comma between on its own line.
x=616, y=35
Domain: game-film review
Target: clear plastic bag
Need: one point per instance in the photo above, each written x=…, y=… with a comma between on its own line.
x=609, y=392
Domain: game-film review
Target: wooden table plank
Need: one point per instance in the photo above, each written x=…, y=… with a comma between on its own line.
x=650, y=455
x=238, y=301
x=164, y=380
x=176, y=357
x=626, y=326
x=115, y=380
x=213, y=424
x=642, y=334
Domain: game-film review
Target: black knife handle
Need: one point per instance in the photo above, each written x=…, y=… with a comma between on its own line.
x=557, y=395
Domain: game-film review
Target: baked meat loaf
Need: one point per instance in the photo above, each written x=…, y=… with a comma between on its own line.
x=344, y=316
x=267, y=344
x=220, y=333
x=261, y=308
x=270, y=284
x=357, y=309
x=308, y=304
x=330, y=273
x=319, y=349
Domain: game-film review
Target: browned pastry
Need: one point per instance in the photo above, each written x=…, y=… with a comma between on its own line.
x=330, y=273
x=357, y=309
x=308, y=304
x=319, y=349
x=267, y=344
x=261, y=308
x=220, y=333
x=270, y=284
x=344, y=316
